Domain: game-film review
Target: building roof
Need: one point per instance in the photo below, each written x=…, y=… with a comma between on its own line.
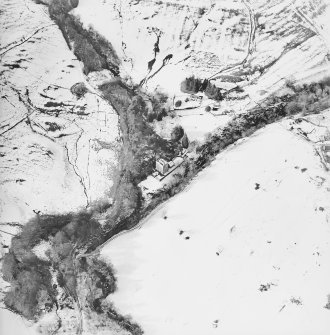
x=162, y=161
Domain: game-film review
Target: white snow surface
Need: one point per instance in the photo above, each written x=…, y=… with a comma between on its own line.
x=240, y=238
x=44, y=170
x=206, y=37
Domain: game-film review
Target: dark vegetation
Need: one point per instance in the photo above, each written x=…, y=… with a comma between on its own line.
x=327, y=305
x=159, y=107
x=52, y=126
x=36, y=283
x=92, y=49
x=243, y=125
x=30, y=277
x=33, y=291
x=311, y=98
x=265, y=287
x=178, y=103
x=193, y=85
x=296, y=301
x=185, y=141
x=177, y=133
x=141, y=146
x=79, y=90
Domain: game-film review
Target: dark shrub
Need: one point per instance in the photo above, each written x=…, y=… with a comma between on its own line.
x=213, y=92
x=193, y=85
x=185, y=141
x=160, y=117
x=58, y=7
x=74, y=3
x=31, y=286
x=85, y=52
x=151, y=116
x=178, y=103
x=201, y=11
x=79, y=89
x=207, y=109
x=52, y=126
x=177, y=133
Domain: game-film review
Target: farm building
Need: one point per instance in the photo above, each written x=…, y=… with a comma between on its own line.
x=162, y=166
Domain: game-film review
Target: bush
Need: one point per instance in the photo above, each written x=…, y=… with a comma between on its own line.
x=161, y=113
x=185, y=141
x=327, y=306
x=58, y=7
x=207, y=108
x=86, y=53
x=178, y=103
x=201, y=11
x=213, y=92
x=74, y=3
x=79, y=89
x=52, y=126
x=31, y=286
x=151, y=117
x=193, y=85
x=293, y=108
x=177, y=133
x=161, y=97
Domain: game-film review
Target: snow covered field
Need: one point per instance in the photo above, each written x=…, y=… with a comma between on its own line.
x=59, y=158
x=245, y=249
x=207, y=37
x=13, y=324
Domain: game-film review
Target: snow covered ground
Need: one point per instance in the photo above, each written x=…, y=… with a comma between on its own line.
x=57, y=152
x=245, y=249
x=207, y=37
x=13, y=324
x=43, y=169
x=263, y=43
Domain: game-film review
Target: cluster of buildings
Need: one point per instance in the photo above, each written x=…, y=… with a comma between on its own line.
x=165, y=167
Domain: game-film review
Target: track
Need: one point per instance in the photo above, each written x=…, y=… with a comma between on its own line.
x=251, y=42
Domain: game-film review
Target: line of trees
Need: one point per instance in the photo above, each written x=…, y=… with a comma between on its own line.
x=194, y=85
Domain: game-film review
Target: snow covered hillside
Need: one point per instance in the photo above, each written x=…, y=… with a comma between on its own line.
x=57, y=151
x=111, y=107
x=257, y=46
x=243, y=250
x=210, y=38
x=47, y=131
